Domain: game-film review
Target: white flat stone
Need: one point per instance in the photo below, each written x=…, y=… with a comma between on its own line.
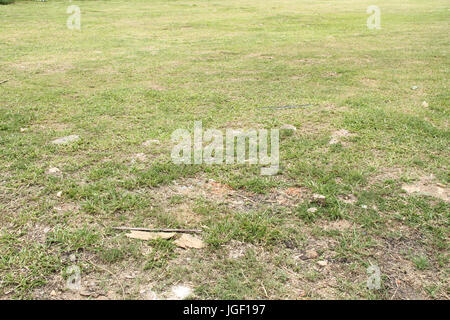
x=65, y=140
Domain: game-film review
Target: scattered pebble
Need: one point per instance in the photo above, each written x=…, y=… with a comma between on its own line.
x=53, y=170
x=364, y=206
x=319, y=199
x=288, y=127
x=414, y=87
x=150, y=142
x=322, y=263
x=65, y=140
x=349, y=199
x=335, y=136
x=59, y=194
x=311, y=254
x=23, y=129
x=333, y=141
x=425, y=104
x=312, y=210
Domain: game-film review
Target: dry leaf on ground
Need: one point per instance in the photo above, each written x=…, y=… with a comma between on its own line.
x=142, y=235
x=188, y=241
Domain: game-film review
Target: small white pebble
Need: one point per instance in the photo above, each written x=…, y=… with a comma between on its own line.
x=150, y=142
x=322, y=263
x=181, y=292
x=67, y=139
x=53, y=170
x=288, y=127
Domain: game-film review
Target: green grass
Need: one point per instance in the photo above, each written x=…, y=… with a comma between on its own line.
x=4, y=2
x=137, y=71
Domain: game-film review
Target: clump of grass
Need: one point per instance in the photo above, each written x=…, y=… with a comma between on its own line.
x=5, y=2
x=251, y=227
x=73, y=240
x=112, y=255
x=25, y=267
x=421, y=262
x=162, y=252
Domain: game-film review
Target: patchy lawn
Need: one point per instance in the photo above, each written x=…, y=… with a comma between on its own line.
x=374, y=143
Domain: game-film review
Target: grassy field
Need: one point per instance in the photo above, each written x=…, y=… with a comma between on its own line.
x=138, y=70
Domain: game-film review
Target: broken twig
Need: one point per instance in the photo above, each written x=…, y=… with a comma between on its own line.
x=159, y=230
x=288, y=107
x=3, y=81
x=245, y=198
